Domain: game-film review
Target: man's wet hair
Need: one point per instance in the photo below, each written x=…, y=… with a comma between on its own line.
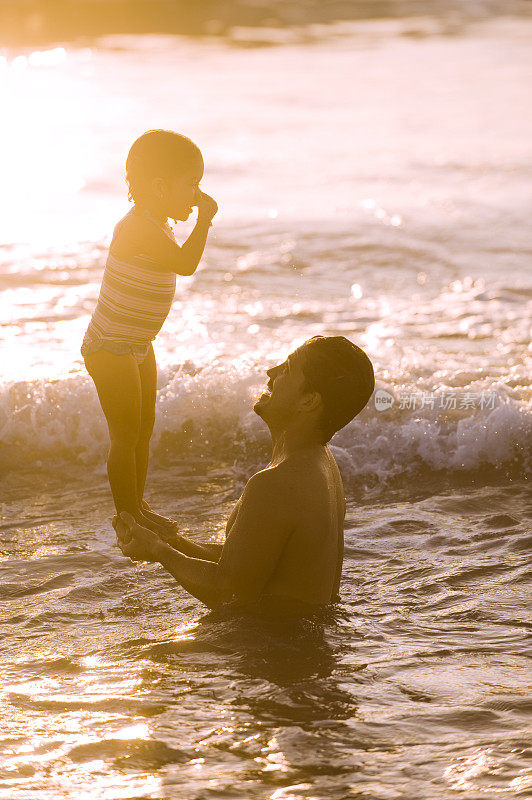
x=342, y=374
x=157, y=153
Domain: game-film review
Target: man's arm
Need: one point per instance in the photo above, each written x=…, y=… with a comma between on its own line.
x=198, y=576
x=208, y=551
x=249, y=557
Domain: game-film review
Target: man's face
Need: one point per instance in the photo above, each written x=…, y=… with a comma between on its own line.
x=285, y=390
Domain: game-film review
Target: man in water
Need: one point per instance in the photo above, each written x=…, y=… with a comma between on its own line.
x=283, y=550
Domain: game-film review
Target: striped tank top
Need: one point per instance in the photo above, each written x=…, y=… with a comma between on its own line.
x=134, y=301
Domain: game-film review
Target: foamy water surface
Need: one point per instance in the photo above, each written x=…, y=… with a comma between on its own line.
x=371, y=184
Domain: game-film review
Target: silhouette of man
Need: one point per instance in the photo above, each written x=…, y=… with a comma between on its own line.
x=283, y=550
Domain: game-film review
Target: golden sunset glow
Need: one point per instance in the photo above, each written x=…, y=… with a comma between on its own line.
x=265, y=399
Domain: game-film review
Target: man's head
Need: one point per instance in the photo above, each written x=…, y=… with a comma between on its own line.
x=327, y=381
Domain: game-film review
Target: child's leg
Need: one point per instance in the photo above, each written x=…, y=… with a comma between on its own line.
x=148, y=388
x=117, y=381
x=148, y=383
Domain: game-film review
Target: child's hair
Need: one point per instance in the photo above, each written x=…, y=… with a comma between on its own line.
x=157, y=154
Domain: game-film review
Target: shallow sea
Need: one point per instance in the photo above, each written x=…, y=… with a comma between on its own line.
x=373, y=181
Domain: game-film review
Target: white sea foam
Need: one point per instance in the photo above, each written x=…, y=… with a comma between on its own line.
x=207, y=412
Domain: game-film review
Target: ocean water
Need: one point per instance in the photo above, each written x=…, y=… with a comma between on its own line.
x=373, y=181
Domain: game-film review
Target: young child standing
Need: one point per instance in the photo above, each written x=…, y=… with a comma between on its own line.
x=163, y=172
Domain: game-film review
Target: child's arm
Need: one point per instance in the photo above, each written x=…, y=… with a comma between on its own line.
x=147, y=238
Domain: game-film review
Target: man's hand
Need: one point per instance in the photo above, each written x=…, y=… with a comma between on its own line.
x=207, y=206
x=135, y=542
x=198, y=576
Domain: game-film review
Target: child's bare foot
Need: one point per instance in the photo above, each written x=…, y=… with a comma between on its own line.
x=166, y=523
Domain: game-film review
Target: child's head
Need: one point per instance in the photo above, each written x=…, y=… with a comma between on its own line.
x=163, y=170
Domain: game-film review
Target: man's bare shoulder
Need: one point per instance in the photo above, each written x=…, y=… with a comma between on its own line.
x=270, y=489
x=263, y=484
x=272, y=478
x=277, y=486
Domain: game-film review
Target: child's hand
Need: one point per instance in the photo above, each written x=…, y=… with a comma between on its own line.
x=207, y=206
